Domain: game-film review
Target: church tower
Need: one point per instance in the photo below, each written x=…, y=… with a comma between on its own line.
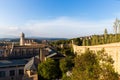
x=22, y=37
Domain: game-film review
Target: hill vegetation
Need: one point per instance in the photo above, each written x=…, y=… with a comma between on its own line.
x=88, y=65
x=97, y=39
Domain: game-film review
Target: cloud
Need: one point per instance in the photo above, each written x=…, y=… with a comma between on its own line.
x=8, y=31
x=60, y=27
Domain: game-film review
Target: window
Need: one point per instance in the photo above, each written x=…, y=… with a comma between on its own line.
x=21, y=72
x=12, y=72
x=2, y=73
x=32, y=72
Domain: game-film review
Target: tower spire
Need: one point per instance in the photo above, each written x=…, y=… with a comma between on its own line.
x=22, y=37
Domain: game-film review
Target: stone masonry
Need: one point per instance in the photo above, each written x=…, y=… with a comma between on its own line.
x=112, y=49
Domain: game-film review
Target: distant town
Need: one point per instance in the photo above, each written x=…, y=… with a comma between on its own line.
x=19, y=60
x=59, y=40
x=60, y=58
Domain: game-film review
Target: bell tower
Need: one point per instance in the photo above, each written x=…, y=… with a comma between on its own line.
x=22, y=37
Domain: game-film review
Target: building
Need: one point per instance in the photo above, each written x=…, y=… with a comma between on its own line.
x=20, y=62
x=19, y=69
x=22, y=37
x=48, y=52
x=24, y=41
x=19, y=52
x=21, y=65
x=30, y=69
x=24, y=51
x=12, y=69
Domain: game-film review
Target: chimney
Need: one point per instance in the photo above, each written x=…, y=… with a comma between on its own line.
x=41, y=55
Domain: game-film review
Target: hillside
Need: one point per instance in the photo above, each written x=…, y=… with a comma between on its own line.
x=97, y=39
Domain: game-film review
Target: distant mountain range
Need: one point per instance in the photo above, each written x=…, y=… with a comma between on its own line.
x=34, y=38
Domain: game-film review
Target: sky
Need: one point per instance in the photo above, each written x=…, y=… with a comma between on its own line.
x=57, y=18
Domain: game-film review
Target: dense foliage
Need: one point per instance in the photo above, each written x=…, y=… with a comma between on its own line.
x=91, y=66
x=87, y=66
x=66, y=64
x=48, y=69
x=97, y=39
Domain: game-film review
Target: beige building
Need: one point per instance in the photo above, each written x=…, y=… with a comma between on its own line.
x=14, y=52
x=30, y=69
x=24, y=41
x=19, y=69
x=12, y=69
x=21, y=62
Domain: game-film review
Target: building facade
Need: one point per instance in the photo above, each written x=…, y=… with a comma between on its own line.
x=20, y=62
x=24, y=41
x=12, y=69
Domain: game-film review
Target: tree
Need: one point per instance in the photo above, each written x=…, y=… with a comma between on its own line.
x=86, y=67
x=84, y=42
x=66, y=64
x=77, y=41
x=105, y=31
x=91, y=66
x=106, y=66
x=95, y=40
x=105, y=35
x=48, y=69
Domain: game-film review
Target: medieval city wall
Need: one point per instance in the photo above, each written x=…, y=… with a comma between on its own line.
x=112, y=49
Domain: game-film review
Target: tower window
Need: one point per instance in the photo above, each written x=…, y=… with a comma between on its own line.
x=12, y=72
x=2, y=73
x=21, y=72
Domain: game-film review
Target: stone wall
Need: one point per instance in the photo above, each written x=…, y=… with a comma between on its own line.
x=112, y=49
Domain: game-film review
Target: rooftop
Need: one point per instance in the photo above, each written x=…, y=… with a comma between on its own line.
x=32, y=64
x=10, y=63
